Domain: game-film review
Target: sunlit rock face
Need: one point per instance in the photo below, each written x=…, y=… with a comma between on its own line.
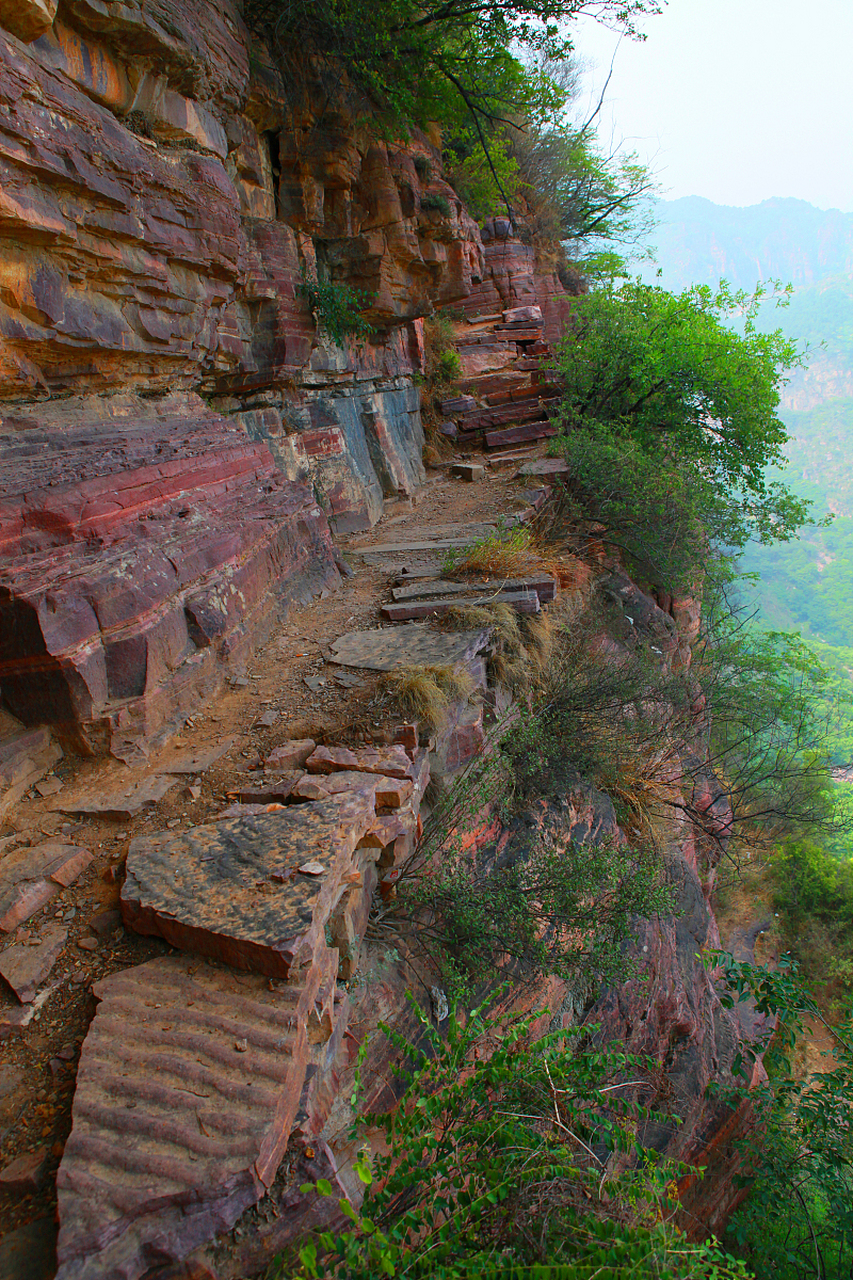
x=163, y=196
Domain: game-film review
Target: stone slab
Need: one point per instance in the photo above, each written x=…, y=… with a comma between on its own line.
x=545, y=586
x=290, y=755
x=512, y=435
x=198, y=761
x=392, y=761
x=544, y=467
x=388, y=793
x=520, y=601
x=231, y=889
x=469, y=470
x=403, y=548
x=25, y=757
x=26, y=1174
x=269, y=790
x=523, y=315
x=118, y=804
x=30, y=877
x=26, y=967
x=430, y=587
x=187, y=1089
x=414, y=644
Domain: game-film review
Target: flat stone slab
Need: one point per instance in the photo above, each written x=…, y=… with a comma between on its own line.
x=512, y=435
x=414, y=644
x=119, y=804
x=423, y=588
x=392, y=761
x=520, y=601
x=403, y=548
x=291, y=754
x=388, y=793
x=30, y=877
x=26, y=1174
x=544, y=467
x=187, y=1089
x=545, y=586
x=198, y=761
x=25, y=757
x=232, y=889
x=26, y=967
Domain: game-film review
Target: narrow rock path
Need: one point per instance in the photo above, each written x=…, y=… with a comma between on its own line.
x=275, y=899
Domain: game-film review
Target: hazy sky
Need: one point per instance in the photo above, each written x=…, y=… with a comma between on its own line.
x=735, y=100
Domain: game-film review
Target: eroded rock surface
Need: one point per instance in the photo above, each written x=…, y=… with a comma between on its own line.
x=234, y=890
x=188, y=1085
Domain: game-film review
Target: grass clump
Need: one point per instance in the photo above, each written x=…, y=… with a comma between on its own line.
x=432, y=201
x=522, y=646
x=426, y=692
x=507, y=553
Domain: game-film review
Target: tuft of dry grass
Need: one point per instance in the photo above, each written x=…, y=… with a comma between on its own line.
x=426, y=692
x=508, y=553
x=539, y=636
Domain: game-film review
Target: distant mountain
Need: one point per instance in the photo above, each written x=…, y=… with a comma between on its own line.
x=699, y=242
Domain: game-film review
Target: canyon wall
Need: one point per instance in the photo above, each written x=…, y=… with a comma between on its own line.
x=164, y=194
x=179, y=446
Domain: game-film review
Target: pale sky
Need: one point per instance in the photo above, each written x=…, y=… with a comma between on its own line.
x=735, y=100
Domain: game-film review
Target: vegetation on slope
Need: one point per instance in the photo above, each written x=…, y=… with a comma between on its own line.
x=530, y=1156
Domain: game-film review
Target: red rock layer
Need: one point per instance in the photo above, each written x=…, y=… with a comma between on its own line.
x=140, y=558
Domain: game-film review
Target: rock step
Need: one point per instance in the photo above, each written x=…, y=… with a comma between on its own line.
x=544, y=585
x=232, y=890
x=188, y=1085
x=413, y=644
x=544, y=467
x=521, y=601
x=518, y=333
x=513, y=435
x=25, y=757
x=479, y=419
x=523, y=395
x=402, y=548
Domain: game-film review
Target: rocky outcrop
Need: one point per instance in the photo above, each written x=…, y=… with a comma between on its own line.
x=163, y=195
x=144, y=555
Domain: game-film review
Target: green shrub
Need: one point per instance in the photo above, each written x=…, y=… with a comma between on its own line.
x=338, y=309
x=432, y=201
x=498, y=1157
x=423, y=168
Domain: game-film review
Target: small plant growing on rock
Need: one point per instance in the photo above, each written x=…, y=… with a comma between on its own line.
x=338, y=309
x=425, y=693
x=423, y=168
x=507, y=553
x=495, y=1162
x=432, y=202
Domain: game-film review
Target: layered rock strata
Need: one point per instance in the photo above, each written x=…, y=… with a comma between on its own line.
x=164, y=195
x=143, y=557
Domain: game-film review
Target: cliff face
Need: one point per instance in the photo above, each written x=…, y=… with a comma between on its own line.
x=162, y=200
x=179, y=445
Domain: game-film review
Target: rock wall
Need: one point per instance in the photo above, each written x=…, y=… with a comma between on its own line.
x=179, y=444
x=177, y=438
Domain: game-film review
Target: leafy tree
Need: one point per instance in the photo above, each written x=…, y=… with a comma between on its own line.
x=665, y=370
x=770, y=723
x=580, y=195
